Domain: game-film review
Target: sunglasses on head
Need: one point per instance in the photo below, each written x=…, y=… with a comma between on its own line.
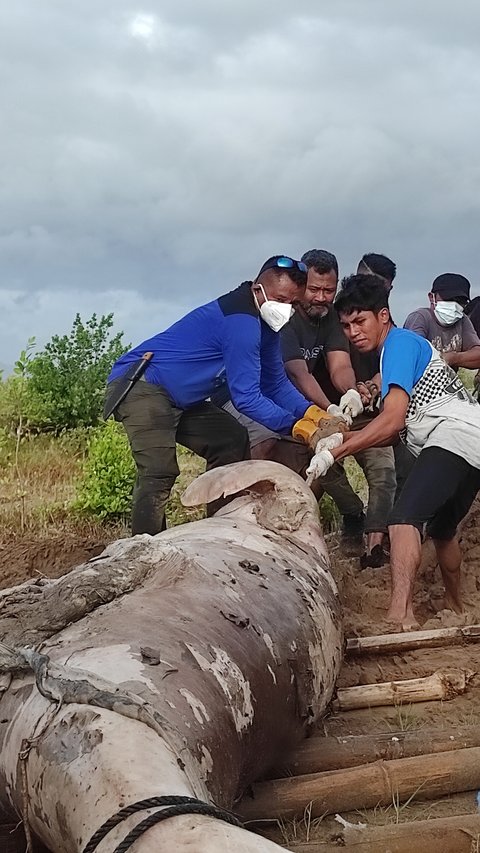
x=284, y=263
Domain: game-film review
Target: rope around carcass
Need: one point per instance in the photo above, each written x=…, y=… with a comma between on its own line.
x=63, y=685
x=171, y=806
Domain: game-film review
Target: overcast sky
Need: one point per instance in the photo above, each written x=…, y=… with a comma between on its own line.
x=153, y=155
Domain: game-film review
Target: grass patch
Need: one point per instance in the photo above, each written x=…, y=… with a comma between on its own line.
x=329, y=512
x=404, y=719
x=467, y=376
x=38, y=495
x=299, y=829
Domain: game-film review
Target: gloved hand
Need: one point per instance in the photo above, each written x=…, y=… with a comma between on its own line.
x=329, y=442
x=306, y=431
x=323, y=459
x=351, y=403
x=337, y=412
x=315, y=414
x=319, y=465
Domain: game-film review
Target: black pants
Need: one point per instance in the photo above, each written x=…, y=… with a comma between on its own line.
x=154, y=425
x=404, y=462
x=438, y=493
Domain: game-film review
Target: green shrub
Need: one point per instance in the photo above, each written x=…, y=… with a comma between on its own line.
x=69, y=376
x=467, y=376
x=105, y=487
x=329, y=514
x=20, y=406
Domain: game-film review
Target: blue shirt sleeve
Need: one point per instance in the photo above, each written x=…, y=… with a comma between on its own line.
x=404, y=358
x=275, y=383
x=243, y=368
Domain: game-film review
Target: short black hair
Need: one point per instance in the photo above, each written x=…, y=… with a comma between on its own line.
x=362, y=292
x=380, y=265
x=297, y=276
x=320, y=260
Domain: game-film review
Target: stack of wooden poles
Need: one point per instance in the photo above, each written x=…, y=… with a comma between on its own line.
x=330, y=775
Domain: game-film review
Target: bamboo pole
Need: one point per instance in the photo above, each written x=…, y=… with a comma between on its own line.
x=391, y=643
x=424, y=777
x=458, y=834
x=443, y=684
x=320, y=754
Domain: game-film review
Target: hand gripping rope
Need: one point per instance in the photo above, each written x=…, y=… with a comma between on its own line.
x=171, y=807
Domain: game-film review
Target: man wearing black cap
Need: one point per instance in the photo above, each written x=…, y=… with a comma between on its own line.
x=233, y=339
x=445, y=324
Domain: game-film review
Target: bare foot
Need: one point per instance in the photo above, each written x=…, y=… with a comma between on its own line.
x=405, y=621
x=453, y=602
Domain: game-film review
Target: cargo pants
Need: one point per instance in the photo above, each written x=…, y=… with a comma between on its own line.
x=154, y=425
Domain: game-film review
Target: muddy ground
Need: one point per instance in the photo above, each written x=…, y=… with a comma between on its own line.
x=364, y=595
x=51, y=556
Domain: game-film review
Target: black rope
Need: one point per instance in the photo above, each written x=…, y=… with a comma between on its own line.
x=174, y=811
x=178, y=806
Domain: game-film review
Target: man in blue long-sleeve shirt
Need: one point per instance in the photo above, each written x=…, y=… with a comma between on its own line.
x=232, y=339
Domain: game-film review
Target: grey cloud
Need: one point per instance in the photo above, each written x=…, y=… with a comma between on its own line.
x=167, y=149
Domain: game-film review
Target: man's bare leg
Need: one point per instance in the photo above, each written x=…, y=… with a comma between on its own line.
x=449, y=558
x=375, y=538
x=405, y=556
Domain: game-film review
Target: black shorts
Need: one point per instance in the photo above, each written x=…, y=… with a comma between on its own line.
x=437, y=494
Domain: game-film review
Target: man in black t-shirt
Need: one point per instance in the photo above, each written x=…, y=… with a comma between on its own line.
x=312, y=337
x=316, y=324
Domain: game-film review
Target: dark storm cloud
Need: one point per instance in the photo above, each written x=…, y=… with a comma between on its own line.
x=153, y=155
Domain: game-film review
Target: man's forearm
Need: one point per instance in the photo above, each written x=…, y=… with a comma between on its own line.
x=310, y=389
x=382, y=432
x=343, y=379
x=469, y=359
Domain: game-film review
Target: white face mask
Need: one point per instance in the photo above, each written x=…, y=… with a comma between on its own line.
x=274, y=314
x=448, y=313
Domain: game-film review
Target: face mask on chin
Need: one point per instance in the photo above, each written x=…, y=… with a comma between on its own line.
x=448, y=313
x=274, y=314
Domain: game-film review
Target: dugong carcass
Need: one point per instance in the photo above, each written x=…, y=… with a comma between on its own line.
x=181, y=665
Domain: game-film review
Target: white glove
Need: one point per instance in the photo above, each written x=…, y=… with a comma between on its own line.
x=351, y=403
x=319, y=465
x=337, y=412
x=329, y=442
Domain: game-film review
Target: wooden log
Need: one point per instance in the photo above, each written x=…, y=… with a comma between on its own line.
x=443, y=684
x=458, y=834
x=405, y=642
x=424, y=777
x=320, y=754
